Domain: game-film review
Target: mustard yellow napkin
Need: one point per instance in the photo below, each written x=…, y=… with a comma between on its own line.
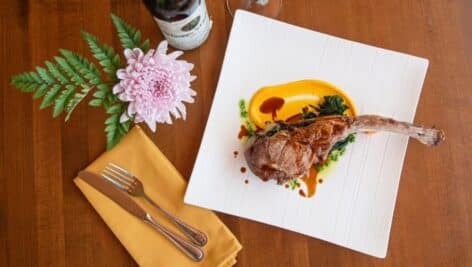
x=163, y=183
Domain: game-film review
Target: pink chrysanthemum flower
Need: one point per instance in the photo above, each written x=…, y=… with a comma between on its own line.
x=155, y=84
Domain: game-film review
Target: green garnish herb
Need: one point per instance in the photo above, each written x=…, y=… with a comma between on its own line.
x=337, y=151
x=332, y=105
x=343, y=143
x=244, y=114
x=332, y=157
x=293, y=184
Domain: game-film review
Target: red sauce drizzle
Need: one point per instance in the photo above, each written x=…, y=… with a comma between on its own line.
x=271, y=106
x=243, y=169
x=246, y=181
x=301, y=193
x=320, y=181
x=243, y=132
x=294, y=118
x=235, y=154
x=286, y=185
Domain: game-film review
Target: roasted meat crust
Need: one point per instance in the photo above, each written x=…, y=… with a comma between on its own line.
x=290, y=152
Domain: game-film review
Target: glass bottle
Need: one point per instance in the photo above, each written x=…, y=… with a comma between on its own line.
x=184, y=23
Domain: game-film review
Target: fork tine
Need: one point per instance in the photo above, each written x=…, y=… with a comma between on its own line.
x=111, y=164
x=118, y=178
x=115, y=183
x=119, y=173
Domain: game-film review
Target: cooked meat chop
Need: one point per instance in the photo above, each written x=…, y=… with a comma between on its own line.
x=290, y=152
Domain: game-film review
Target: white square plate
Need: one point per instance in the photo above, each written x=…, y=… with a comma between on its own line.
x=354, y=206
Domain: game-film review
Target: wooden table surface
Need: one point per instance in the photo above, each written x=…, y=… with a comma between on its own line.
x=45, y=220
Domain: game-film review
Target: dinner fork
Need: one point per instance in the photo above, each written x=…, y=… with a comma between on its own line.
x=126, y=181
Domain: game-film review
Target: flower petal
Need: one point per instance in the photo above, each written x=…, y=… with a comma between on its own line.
x=124, y=117
x=151, y=124
x=191, y=92
x=175, y=113
x=175, y=54
x=132, y=55
x=181, y=108
x=138, y=119
x=131, y=109
x=128, y=53
x=117, y=88
x=138, y=52
x=167, y=118
x=121, y=74
x=162, y=47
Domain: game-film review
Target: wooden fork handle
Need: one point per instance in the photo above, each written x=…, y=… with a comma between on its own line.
x=191, y=250
x=198, y=237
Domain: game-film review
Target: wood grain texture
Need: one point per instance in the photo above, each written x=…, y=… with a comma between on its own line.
x=45, y=221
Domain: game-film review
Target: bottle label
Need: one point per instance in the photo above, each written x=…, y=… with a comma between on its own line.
x=187, y=33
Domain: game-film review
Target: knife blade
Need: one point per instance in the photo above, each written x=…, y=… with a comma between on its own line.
x=120, y=198
x=123, y=200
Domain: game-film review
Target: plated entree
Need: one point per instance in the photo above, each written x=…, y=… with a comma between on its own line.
x=301, y=141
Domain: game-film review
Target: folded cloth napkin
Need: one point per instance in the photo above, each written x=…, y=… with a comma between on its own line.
x=163, y=183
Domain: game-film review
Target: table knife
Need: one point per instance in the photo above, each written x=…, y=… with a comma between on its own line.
x=123, y=200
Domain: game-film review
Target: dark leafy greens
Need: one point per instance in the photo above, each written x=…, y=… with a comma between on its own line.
x=332, y=105
x=337, y=151
x=343, y=143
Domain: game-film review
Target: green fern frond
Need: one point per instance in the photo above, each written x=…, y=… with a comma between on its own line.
x=40, y=83
x=75, y=100
x=129, y=36
x=57, y=82
x=89, y=73
x=70, y=71
x=45, y=75
x=114, y=129
x=106, y=56
x=56, y=72
x=110, y=61
x=40, y=91
x=52, y=93
x=81, y=64
x=26, y=82
x=63, y=99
